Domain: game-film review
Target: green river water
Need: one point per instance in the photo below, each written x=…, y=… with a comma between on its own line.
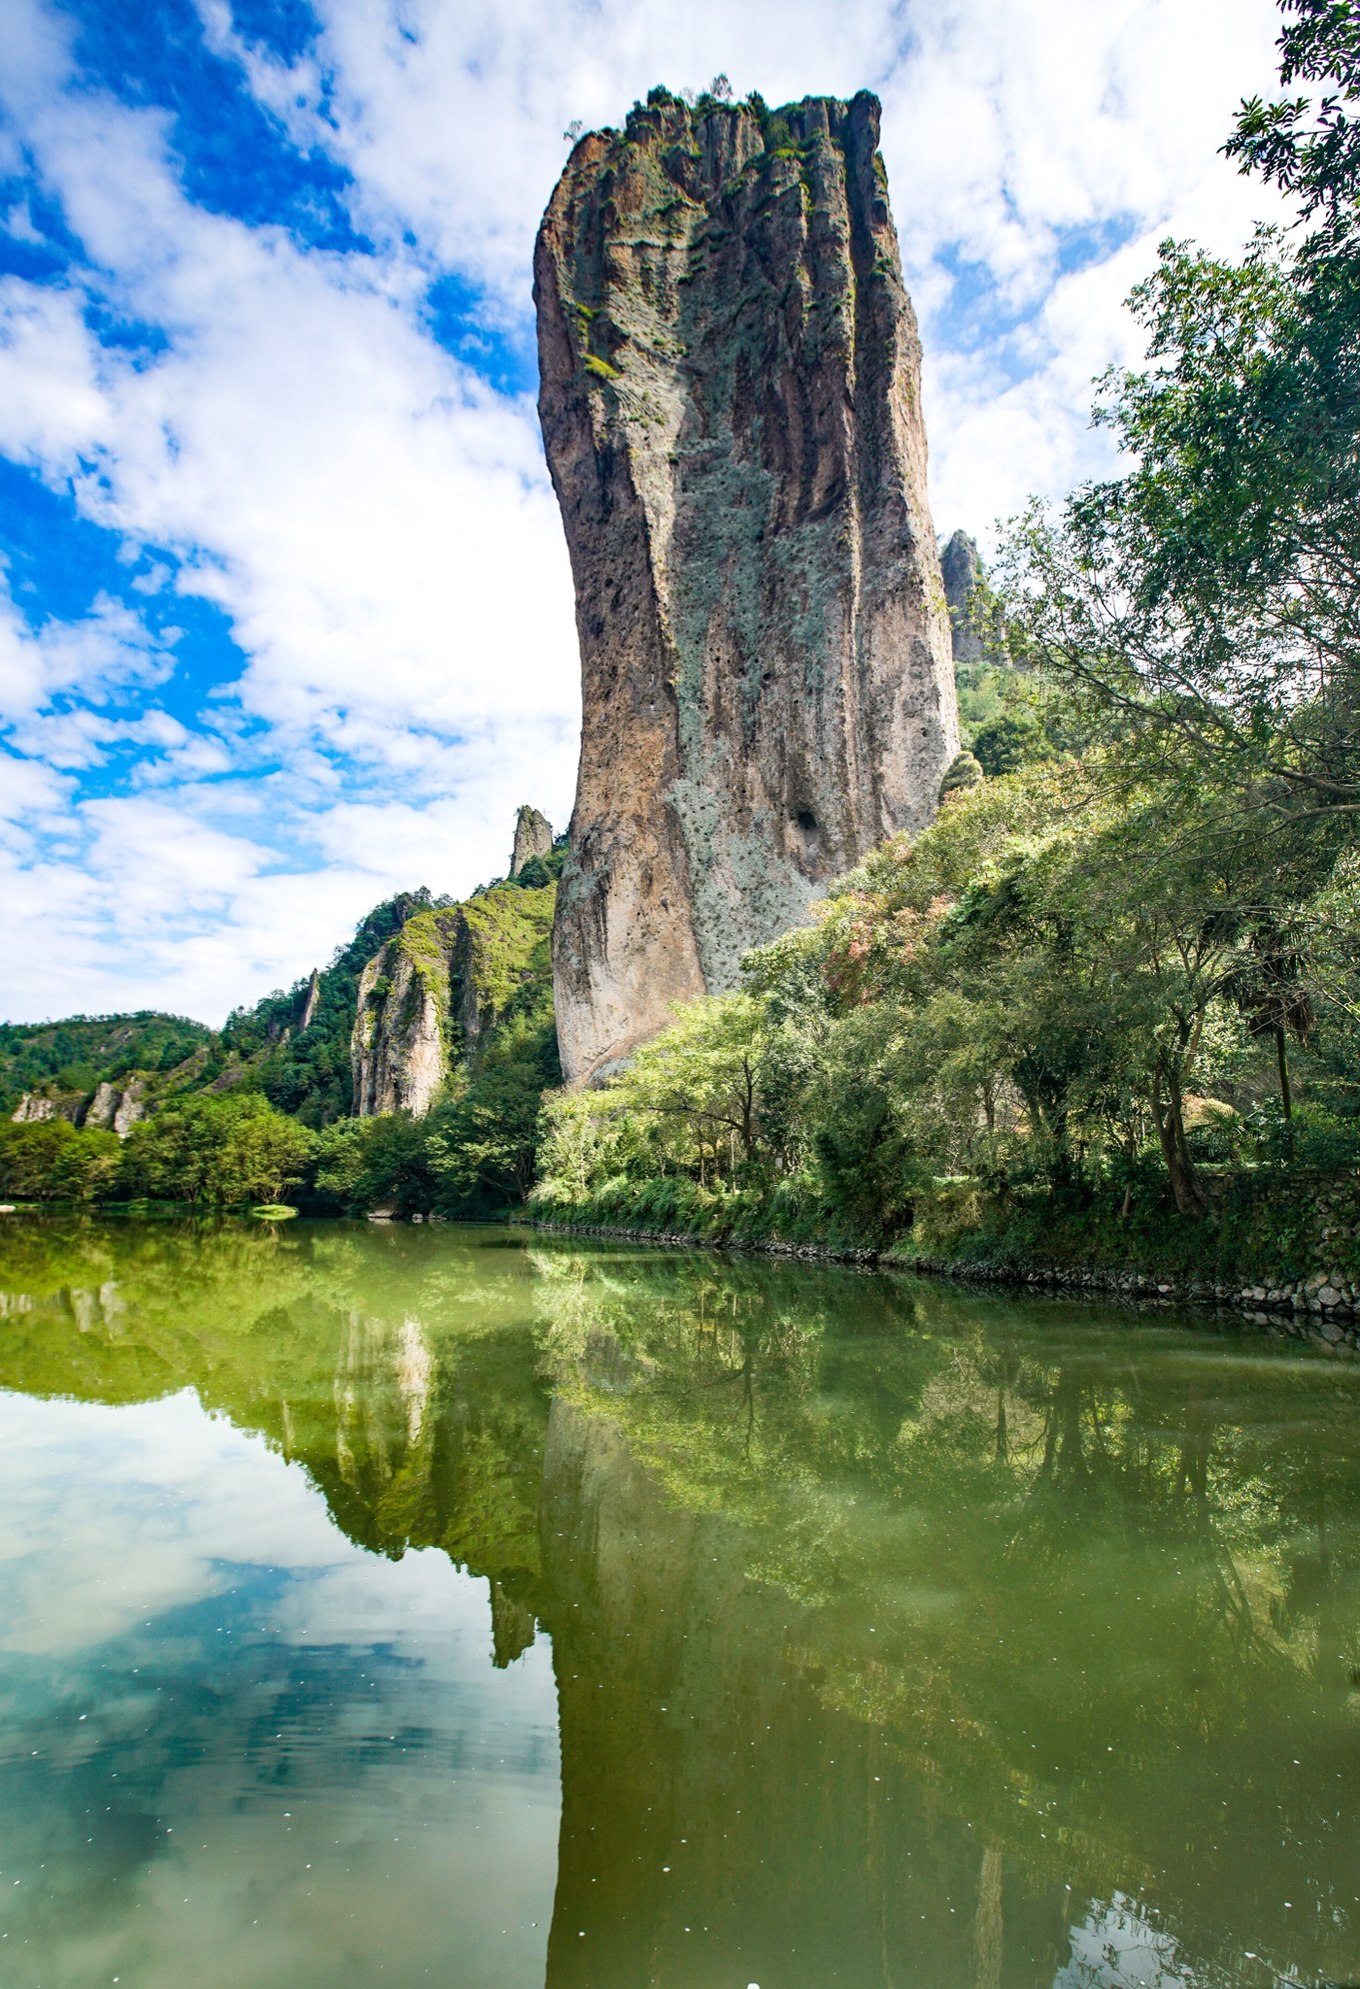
x=391, y=1605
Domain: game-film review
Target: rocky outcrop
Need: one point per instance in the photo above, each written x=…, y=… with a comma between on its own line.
x=130, y=1108
x=101, y=1108
x=398, y=1052
x=961, y=570
x=313, y=1000
x=33, y=1109
x=730, y=404
x=533, y=837
x=429, y=997
x=116, y=1108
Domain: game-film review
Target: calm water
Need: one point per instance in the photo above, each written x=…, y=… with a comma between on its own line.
x=390, y=1605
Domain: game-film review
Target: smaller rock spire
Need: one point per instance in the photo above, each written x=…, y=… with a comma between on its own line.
x=961, y=570
x=313, y=997
x=533, y=837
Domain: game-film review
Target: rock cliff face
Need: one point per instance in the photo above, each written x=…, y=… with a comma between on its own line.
x=33, y=1109
x=427, y=998
x=313, y=999
x=397, y=1051
x=731, y=411
x=116, y=1108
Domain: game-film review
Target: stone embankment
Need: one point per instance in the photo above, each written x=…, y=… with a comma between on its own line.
x=767, y=1246
x=1322, y=1306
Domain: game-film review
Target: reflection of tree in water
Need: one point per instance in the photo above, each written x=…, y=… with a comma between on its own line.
x=385, y=1363
x=1080, y=1600
x=1092, y=1589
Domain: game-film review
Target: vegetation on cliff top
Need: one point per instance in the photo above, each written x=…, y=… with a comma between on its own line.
x=67, y=1060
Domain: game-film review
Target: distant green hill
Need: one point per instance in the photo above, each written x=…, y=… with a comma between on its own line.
x=66, y=1061
x=293, y=1045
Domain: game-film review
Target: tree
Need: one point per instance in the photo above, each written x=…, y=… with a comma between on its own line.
x=1207, y=601
x=1311, y=151
x=482, y=1145
x=224, y=1150
x=702, y=1078
x=374, y=1163
x=47, y=1160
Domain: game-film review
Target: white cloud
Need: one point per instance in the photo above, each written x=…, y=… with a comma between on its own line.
x=376, y=522
x=107, y=652
x=51, y=404
x=34, y=802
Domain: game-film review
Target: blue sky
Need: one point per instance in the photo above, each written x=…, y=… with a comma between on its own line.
x=285, y=616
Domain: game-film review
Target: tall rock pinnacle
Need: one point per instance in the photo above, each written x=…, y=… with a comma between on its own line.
x=731, y=409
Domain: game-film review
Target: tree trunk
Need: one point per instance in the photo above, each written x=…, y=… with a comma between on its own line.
x=748, y=1113
x=988, y=1926
x=1169, y=1115
x=1286, y=1090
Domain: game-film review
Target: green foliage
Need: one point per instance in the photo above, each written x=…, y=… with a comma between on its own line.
x=1012, y=712
x=1203, y=604
x=509, y=953
x=1310, y=149
x=376, y=1163
x=225, y=1151
x=539, y=870
x=69, y=1059
x=306, y=1072
x=1009, y=742
x=481, y=1146
x=472, y=1155
x=488, y=964
x=1054, y=996
x=49, y=1160
x=689, y=1102
x=233, y=1124
x=963, y=771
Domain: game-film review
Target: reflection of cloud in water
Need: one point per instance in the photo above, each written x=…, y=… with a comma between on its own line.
x=1114, y=1947
x=131, y=1506
x=289, y=1768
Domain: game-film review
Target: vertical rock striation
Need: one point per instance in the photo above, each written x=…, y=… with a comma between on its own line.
x=33, y=1109
x=730, y=404
x=397, y=1052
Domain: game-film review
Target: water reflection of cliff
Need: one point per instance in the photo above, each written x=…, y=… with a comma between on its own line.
x=900, y=1636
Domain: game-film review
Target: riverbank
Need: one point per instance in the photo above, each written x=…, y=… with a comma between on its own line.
x=1321, y=1314
x=1282, y=1252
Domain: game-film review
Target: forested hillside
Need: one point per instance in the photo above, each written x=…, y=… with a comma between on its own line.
x=68, y=1060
